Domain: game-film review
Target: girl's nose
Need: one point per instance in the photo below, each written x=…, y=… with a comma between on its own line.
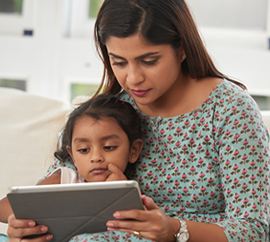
x=96, y=156
x=134, y=76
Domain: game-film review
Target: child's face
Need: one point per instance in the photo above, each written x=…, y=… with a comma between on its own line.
x=95, y=144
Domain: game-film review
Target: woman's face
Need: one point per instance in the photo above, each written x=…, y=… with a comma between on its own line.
x=149, y=73
x=95, y=144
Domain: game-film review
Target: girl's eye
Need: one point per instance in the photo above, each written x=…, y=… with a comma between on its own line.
x=109, y=148
x=83, y=151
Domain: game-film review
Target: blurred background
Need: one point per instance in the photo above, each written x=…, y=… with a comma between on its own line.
x=47, y=47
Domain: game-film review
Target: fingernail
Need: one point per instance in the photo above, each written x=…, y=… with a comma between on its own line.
x=110, y=224
x=31, y=224
x=49, y=237
x=43, y=229
x=116, y=215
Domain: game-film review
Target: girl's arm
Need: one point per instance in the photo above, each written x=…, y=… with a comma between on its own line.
x=5, y=208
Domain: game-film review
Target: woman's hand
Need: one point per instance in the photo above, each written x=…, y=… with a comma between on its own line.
x=19, y=228
x=116, y=173
x=152, y=223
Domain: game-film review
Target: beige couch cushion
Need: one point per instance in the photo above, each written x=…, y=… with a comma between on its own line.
x=29, y=128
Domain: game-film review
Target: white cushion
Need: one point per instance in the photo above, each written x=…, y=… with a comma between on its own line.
x=29, y=128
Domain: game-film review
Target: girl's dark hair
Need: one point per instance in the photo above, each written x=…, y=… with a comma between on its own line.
x=99, y=107
x=158, y=22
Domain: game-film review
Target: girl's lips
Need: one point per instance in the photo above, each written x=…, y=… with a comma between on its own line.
x=97, y=171
x=140, y=93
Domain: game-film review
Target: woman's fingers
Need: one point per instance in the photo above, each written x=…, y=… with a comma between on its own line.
x=151, y=223
x=149, y=203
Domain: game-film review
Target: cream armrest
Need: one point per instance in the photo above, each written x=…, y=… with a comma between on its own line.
x=29, y=130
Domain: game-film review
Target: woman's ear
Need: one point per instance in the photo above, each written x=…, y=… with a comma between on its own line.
x=181, y=53
x=69, y=150
x=135, y=150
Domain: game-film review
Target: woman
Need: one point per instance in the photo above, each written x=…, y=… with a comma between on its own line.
x=205, y=163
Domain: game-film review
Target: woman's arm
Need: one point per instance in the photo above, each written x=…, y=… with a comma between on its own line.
x=153, y=224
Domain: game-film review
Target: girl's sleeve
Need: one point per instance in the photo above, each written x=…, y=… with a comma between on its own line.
x=57, y=163
x=242, y=140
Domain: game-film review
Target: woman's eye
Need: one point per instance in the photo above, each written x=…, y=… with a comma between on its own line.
x=119, y=63
x=109, y=148
x=150, y=63
x=83, y=151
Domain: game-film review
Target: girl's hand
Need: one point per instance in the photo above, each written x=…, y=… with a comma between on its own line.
x=116, y=173
x=152, y=223
x=19, y=228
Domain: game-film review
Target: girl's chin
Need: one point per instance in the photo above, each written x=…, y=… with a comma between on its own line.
x=96, y=179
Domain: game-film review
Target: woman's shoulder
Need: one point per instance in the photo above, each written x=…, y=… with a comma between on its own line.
x=229, y=94
x=124, y=96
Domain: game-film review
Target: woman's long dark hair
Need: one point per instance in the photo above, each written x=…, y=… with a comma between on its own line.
x=158, y=22
x=99, y=107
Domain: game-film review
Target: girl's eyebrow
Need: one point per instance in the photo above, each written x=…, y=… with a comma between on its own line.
x=107, y=137
x=139, y=57
x=113, y=136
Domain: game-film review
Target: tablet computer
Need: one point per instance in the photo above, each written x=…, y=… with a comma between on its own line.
x=73, y=209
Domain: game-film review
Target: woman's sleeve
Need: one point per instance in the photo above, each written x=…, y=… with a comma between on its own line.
x=242, y=140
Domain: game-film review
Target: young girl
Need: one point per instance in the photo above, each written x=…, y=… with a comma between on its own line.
x=101, y=136
x=204, y=166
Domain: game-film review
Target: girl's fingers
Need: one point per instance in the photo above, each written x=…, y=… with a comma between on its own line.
x=23, y=232
x=19, y=228
x=113, y=168
x=43, y=238
x=116, y=173
x=20, y=223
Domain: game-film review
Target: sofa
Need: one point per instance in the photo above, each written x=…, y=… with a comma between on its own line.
x=29, y=131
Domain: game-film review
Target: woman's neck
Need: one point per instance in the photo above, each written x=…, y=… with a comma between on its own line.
x=184, y=97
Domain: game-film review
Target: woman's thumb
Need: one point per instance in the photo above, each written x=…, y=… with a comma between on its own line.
x=148, y=203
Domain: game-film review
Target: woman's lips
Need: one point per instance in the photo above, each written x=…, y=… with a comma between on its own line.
x=97, y=171
x=140, y=93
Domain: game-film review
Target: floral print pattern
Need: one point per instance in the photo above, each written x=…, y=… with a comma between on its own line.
x=210, y=165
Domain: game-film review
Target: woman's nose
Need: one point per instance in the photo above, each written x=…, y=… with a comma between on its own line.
x=134, y=76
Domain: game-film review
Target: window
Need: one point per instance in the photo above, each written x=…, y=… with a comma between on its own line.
x=16, y=17
x=83, y=14
x=17, y=84
x=94, y=6
x=77, y=89
x=237, y=14
x=11, y=6
x=262, y=101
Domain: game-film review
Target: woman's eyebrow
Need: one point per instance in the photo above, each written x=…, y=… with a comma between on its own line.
x=139, y=57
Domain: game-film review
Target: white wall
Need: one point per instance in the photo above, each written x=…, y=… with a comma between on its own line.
x=60, y=53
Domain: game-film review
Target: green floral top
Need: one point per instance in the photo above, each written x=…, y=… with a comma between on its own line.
x=210, y=165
